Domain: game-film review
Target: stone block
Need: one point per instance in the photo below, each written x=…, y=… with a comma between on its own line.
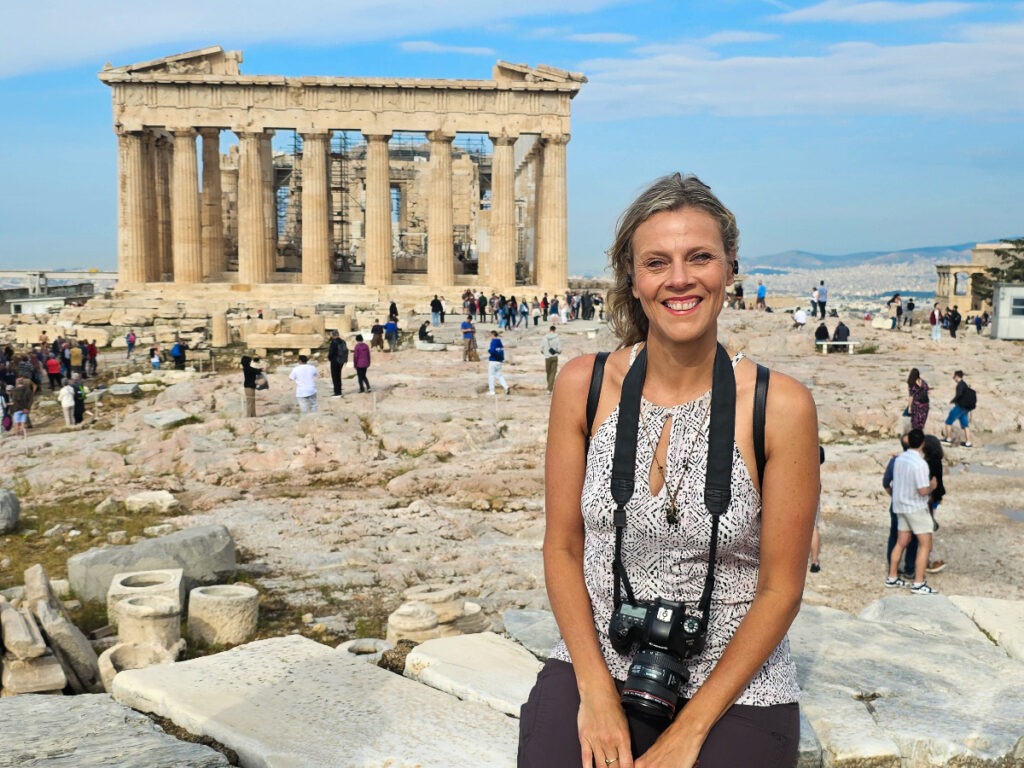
x=296, y=341
x=1002, y=620
x=131, y=318
x=446, y=601
x=71, y=647
x=90, y=316
x=123, y=390
x=535, y=630
x=90, y=333
x=223, y=614
x=206, y=555
x=122, y=656
x=412, y=621
x=38, y=587
x=430, y=346
x=168, y=419
x=10, y=511
x=483, y=668
x=151, y=501
x=43, y=673
x=21, y=635
x=290, y=701
x=91, y=731
x=148, y=619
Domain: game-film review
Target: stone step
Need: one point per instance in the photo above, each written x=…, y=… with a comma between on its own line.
x=290, y=701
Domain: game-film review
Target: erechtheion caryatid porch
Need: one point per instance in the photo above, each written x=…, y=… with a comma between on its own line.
x=175, y=221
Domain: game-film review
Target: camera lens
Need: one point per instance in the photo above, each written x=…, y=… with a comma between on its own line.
x=652, y=687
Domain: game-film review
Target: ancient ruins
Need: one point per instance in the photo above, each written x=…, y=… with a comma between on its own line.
x=437, y=184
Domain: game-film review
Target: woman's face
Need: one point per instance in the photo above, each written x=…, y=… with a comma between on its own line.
x=680, y=273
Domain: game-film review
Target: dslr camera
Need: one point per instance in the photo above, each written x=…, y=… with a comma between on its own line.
x=666, y=634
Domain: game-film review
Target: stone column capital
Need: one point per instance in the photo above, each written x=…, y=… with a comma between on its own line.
x=441, y=136
x=210, y=133
x=183, y=133
x=503, y=139
x=314, y=135
x=556, y=138
x=377, y=137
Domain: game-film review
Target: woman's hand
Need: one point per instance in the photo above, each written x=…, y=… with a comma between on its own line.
x=604, y=732
x=675, y=748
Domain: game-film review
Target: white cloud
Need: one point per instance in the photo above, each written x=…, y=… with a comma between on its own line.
x=873, y=11
x=426, y=46
x=983, y=73
x=602, y=37
x=729, y=36
x=53, y=34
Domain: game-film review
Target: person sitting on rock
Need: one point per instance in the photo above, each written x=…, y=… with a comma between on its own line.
x=424, y=335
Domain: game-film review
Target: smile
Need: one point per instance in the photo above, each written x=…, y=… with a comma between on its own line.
x=681, y=305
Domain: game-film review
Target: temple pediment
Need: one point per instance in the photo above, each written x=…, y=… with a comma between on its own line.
x=212, y=60
x=505, y=71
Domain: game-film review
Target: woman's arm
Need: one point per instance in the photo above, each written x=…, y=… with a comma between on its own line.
x=604, y=733
x=789, y=499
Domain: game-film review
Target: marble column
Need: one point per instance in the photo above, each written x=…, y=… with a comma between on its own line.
x=185, y=219
x=269, y=204
x=149, y=159
x=502, y=258
x=378, y=211
x=316, y=256
x=131, y=228
x=214, y=255
x=252, y=267
x=440, y=226
x=553, y=245
x=162, y=179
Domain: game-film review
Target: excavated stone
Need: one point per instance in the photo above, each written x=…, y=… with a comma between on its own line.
x=122, y=656
x=69, y=644
x=151, y=501
x=1001, y=620
x=172, y=417
x=38, y=587
x=91, y=731
x=206, y=555
x=21, y=636
x=223, y=615
x=162, y=582
x=878, y=693
x=484, y=667
x=37, y=675
x=149, y=619
x=412, y=621
x=535, y=630
x=10, y=511
x=124, y=390
x=473, y=620
x=291, y=702
x=446, y=601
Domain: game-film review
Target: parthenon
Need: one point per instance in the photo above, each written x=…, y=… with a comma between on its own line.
x=337, y=209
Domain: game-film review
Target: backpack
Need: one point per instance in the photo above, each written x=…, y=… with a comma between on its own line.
x=969, y=399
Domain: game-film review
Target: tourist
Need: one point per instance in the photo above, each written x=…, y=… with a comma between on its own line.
x=337, y=356
x=76, y=359
x=393, y=311
x=910, y=490
x=816, y=533
x=444, y=309
x=178, y=354
x=814, y=302
x=80, y=392
x=524, y=314
x=910, y=553
x=495, y=359
x=361, y=360
x=21, y=404
x=129, y=340
x=821, y=333
x=935, y=320
x=932, y=450
x=822, y=298
x=377, y=335
x=424, y=334
x=305, y=375
x=469, y=353
x=92, y=352
x=908, y=313
x=66, y=398
x=250, y=379
x=762, y=293
x=391, y=333
x=154, y=358
x=978, y=322
x=674, y=246
x=53, y=372
x=553, y=310
x=435, y=311
x=917, y=404
x=535, y=312
x=893, y=306
x=563, y=310
x=964, y=401
x=953, y=320
x=551, y=348
x=799, y=318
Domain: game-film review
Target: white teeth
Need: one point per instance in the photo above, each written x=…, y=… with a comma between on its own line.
x=682, y=306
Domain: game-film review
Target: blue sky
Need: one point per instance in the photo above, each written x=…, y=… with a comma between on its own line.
x=832, y=127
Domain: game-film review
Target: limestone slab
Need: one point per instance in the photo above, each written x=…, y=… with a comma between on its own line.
x=284, y=340
x=91, y=731
x=534, y=629
x=484, y=667
x=878, y=693
x=32, y=675
x=151, y=501
x=1002, y=620
x=21, y=636
x=937, y=616
x=326, y=709
x=172, y=417
x=124, y=390
x=70, y=645
x=10, y=511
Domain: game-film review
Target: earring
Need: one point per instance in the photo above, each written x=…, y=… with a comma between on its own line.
x=629, y=281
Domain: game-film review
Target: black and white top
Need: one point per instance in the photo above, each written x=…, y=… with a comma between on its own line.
x=670, y=559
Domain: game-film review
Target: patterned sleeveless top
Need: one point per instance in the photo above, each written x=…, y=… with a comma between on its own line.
x=670, y=560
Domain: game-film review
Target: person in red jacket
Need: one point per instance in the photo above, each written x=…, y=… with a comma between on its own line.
x=53, y=371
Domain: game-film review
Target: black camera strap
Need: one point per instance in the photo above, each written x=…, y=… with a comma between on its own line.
x=718, y=478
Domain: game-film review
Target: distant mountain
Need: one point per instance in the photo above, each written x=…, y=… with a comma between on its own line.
x=936, y=254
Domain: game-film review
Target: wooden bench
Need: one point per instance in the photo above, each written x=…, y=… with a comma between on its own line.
x=824, y=345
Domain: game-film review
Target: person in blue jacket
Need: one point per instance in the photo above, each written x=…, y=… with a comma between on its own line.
x=495, y=358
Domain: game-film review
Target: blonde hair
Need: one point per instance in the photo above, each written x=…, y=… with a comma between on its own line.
x=669, y=193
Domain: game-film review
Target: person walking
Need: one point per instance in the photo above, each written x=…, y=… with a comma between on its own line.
x=377, y=335
x=935, y=321
x=816, y=534
x=918, y=404
x=495, y=358
x=391, y=333
x=250, y=380
x=932, y=450
x=955, y=318
x=361, y=360
x=469, y=353
x=551, y=348
x=305, y=375
x=66, y=398
x=822, y=298
x=911, y=487
x=435, y=311
x=337, y=355
x=964, y=401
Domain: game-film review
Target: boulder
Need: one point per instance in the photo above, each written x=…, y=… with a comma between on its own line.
x=292, y=701
x=206, y=555
x=168, y=419
x=535, y=630
x=91, y=732
x=483, y=668
x=1001, y=620
x=10, y=511
x=124, y=390
x=151, y=501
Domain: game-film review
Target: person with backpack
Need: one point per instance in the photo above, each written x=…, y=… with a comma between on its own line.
x=178, y=354
x=495, y=358
x=129, y=340
x=964, y=401
x=337, y=355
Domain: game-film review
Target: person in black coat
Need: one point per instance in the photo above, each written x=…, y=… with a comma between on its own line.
x=337, y=354
x=250, y=374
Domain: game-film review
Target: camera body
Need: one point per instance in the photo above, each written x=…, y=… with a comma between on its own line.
x=666, y=634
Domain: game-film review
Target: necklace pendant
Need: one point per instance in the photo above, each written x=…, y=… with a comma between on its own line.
x=673, y=515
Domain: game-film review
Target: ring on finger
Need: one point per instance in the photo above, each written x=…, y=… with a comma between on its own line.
x=609, y=762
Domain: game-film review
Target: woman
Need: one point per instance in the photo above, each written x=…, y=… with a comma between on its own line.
x=918, y=404
x=672, y=260
x=361, y=360
x=66, y=398
x=249, y=375
x=894, y=310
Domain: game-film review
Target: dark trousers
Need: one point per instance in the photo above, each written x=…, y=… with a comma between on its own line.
x=364, y=383
x=336, y=376
x=766, y=737
x=909, y=555
x=821, y=309
x=54, y=381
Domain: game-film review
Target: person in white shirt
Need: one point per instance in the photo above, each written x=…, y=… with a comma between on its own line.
x=814, y=303
x=304, y=375
x=66, y=398
x=911, y=487
x=799, y=318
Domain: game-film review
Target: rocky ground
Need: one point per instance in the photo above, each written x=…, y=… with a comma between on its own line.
x=427, y=478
